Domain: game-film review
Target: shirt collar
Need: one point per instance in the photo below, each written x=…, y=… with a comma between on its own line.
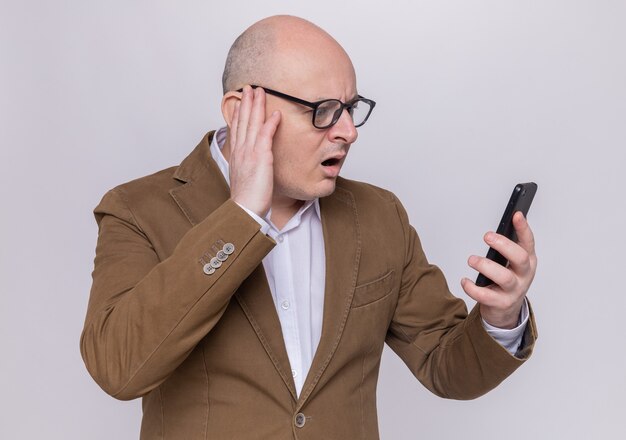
x=217, y=143
x=219, y=138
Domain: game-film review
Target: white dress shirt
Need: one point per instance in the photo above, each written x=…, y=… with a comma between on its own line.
x=296, y=273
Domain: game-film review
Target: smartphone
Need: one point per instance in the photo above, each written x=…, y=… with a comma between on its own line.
x=520, y=200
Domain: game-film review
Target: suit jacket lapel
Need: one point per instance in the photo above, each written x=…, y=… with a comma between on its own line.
x=255, y=298
x=342, y=242
x=205, y=190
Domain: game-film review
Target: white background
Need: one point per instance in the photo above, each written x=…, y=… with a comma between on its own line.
x=473, y=97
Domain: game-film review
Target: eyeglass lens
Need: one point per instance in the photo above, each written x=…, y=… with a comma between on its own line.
x=330, y=111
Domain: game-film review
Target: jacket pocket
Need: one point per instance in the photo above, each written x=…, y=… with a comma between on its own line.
x=372, y=291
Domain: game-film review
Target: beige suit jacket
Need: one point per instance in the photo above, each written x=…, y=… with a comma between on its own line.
x=206, y=353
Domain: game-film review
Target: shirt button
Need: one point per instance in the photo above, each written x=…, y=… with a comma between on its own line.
x=285, y=305
x=300, y=420
x=294, y=373
x=280, y=238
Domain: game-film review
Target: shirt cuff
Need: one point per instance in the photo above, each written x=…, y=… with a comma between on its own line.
x=511, y=339
x=265, y=227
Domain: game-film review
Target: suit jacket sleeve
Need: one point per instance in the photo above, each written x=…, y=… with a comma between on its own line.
x=145, y=316
x=446, y=349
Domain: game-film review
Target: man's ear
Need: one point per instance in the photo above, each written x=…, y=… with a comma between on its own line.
x=228, y=106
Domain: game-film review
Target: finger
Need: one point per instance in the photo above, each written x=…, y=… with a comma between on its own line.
x=482, y=295
x=233, y=126
x=244, y=115
x=268, y=130
x=517, y=255
x=257, y=116
x=503, y=277
x=525, y=236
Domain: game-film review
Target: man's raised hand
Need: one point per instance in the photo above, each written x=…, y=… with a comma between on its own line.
x=500, y=303
x=251, y=159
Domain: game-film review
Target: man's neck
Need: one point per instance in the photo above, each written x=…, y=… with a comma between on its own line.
x=283, y=211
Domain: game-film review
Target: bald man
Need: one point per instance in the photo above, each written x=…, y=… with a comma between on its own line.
x=248, y=292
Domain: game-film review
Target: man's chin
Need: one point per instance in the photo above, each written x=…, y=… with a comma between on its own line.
x=328, y=188
x=322, y=189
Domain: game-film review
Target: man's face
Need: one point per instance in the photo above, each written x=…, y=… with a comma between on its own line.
x=307, y=160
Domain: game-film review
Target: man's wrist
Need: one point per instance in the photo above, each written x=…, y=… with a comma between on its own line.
x=265, y=227
x=501, y=320
x=510, y=339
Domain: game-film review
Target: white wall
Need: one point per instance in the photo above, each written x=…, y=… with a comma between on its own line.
x=473, y=97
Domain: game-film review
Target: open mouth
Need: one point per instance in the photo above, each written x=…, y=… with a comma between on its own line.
x=330, y=162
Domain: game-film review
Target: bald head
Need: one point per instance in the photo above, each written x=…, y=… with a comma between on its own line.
x=275, y=49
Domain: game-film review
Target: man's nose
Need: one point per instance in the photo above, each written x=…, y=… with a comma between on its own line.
x=344, y=130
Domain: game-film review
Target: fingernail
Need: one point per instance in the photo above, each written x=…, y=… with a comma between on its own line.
x=490, y=237
x=473, y=259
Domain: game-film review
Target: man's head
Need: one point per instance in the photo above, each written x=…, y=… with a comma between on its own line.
x=294, y=56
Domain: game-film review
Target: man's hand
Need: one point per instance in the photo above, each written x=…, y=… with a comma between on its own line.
x=500, y=303
x=251, y=160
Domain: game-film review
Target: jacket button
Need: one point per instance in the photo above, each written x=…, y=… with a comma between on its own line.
x=208, y=269
x=300, y=420
x=215, y=262
x=228, y=248
x=222, y=256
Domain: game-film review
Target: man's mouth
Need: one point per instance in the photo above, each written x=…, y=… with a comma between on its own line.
x=334, y=159
x=330, y=162
x=332, y=165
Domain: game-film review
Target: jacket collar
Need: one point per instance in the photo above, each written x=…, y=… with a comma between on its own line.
x=204, y=188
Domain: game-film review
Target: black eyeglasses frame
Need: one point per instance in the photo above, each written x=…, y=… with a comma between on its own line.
x=314, y=105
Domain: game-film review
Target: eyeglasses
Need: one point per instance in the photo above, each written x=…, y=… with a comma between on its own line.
x=327, y=112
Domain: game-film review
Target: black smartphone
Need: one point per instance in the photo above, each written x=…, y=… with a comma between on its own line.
x=520, y=200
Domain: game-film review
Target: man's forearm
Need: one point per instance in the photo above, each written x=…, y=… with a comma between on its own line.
x=145, y=316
